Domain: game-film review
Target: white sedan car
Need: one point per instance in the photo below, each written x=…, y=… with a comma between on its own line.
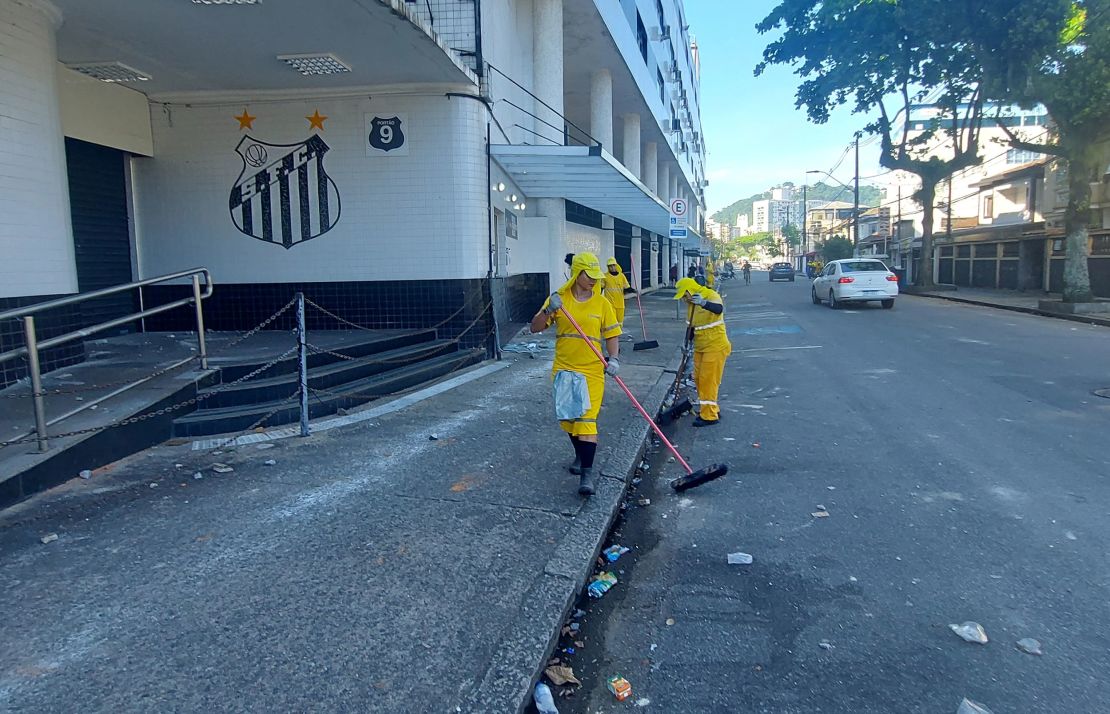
x=855, y=280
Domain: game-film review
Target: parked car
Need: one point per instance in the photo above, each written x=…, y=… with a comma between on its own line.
x=782, y=271
x=855, y=280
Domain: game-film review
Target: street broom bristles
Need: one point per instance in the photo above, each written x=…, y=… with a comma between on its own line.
x=678, y=409
x=697, y=478
x=645, y=345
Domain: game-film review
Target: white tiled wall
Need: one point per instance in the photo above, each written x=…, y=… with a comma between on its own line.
x=419, y=216
x=35, y=236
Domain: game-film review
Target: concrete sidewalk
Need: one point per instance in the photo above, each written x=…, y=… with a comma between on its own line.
x=1009, y=300
x=421, y=560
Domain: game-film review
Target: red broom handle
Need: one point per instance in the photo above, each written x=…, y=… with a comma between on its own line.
x=635, y=403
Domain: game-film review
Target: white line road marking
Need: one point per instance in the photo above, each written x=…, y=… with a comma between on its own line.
x=776, y=349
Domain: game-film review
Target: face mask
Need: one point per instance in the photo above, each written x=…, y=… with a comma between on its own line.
x=613, y=271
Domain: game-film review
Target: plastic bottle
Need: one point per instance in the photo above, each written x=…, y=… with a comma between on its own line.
x=545, y=702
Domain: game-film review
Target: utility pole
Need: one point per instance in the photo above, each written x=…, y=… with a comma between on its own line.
x=805, y=220
x=855, y=210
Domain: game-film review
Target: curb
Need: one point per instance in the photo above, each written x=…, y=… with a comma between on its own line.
x=528, y=640
x=1017, y=308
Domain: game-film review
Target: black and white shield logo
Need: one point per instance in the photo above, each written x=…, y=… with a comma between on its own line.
x=283, y=194
x=386, y=134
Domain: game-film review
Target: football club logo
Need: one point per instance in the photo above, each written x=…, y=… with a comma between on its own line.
x=283, y=194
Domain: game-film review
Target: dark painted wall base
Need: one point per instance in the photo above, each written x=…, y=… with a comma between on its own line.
x=48, y=324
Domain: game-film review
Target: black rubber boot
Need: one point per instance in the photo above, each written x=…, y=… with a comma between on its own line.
x=576, y=467
x=706, y=422
x=587, y=482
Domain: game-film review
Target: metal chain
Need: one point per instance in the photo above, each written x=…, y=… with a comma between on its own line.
x=161, y=372
x=160, y=412
x=436, y=326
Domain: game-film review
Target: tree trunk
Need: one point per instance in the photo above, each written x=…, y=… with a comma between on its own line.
x=927, y=196
x=1077, y=217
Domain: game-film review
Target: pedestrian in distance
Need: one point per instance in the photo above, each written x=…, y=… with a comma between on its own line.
x=692, y=271
x=706, y=319
x=613, y=286
x=710, y=274
x=674, y=274
x=578, y=375
x=747, y=273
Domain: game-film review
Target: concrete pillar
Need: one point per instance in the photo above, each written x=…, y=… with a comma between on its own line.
x=637, y=259
x=631, y=156
x=601, y=108
x=673, y=190
x=547, y=84
x=656, y=256
x=608, y=243
x=650, y=171
x=664, y=184
x=667, y=260
x=547, y=61
x=36, y=238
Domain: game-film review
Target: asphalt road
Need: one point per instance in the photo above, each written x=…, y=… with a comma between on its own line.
x=962, y=460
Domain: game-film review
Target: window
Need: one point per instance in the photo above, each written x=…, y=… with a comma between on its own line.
x=1011, y=250
x=641, y=36
x=963, y=251
x=1058, y=247
x=946, y=251
x=659, y=12
x=1021, y=156
x=1100, y=245
x=988, y=206
x=662, y=87
x=863, y=266
x=987, y=250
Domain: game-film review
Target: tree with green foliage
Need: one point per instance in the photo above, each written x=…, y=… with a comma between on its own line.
x=1073, y=83
x=791, y=235
x=878, y=55
x=835, y=248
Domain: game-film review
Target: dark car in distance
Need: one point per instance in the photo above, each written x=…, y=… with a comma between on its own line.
x=781, y=271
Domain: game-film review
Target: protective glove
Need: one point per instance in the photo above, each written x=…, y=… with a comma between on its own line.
x=554, y=303
x=699, y=300
x=613, y=367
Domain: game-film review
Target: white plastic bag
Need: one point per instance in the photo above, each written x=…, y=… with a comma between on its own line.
x=572, y=395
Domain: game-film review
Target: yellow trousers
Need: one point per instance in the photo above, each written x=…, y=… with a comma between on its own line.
x=709, y=369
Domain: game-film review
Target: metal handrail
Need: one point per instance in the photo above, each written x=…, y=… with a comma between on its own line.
x=32, y=347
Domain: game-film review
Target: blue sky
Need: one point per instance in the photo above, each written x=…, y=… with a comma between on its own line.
x=755, y=138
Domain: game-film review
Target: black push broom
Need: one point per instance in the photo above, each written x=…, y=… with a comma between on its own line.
x=646, y=344
x=683, y=405
x=683, y=483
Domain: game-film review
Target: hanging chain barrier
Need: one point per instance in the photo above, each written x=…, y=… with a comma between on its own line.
x=300, y=350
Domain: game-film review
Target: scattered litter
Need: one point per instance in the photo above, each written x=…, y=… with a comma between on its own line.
x=620, y=687
x=653, y=646
x=820, y=514
x=825, y=645
x=545, y=703
x=222, y=468
x=644, y=502
x=561, y=674
x=971, y=632
x=1028, y=645
x=729, y=438
x=831, y=488
x=670, y=621
x=969, y=707
x=153, y=484
x=198, y=476
x=821, y=507
x=579, y=614
x=614, y=552
x=433, y=437
x=569, y=650
x=755, y=445
x=853, y=578
x=263, y=447
x=80, y=399
x=643, y=702
x=1070, y=536
x=217, y=452
x=670, y=459
x=93, y=406
x=49, y=538
x=601, y=584
x=85, y=474
x=739, y=559
x=574, y=627
x=269, y=462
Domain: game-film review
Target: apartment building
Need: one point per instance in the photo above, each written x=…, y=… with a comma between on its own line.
x=398, y=162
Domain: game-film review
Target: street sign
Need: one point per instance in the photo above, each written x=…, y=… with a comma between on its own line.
x=679, y=217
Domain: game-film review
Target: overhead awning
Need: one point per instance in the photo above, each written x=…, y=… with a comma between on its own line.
x=587, y=175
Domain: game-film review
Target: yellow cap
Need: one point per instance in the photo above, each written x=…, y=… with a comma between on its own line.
x=613, y=261
x=686, y=285
x=586, y=263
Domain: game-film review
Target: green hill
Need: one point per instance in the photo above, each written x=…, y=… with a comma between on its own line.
x=868, y=196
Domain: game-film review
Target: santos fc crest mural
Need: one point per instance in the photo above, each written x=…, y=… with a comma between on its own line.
x=283, y=194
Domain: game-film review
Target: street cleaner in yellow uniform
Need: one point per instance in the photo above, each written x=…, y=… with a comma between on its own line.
x=710, y=273
x=613, y=286
x=711, y=345
x=578, y=375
